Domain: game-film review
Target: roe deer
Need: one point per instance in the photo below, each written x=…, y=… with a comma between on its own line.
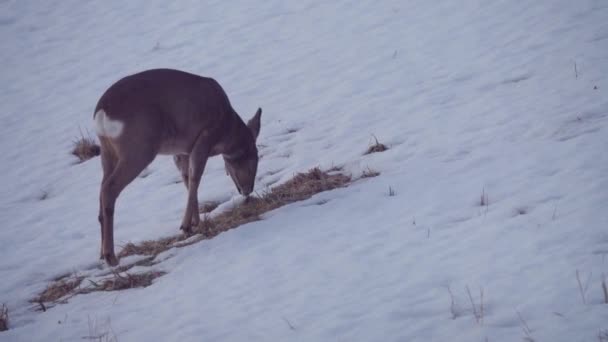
x=172, y=112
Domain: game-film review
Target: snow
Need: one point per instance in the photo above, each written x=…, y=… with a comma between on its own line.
x=505, y=99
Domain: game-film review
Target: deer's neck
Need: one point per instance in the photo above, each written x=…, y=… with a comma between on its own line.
x=234, y=143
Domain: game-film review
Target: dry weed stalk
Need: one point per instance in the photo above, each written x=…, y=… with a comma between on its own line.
x=581, y=288
x=3, y=317
x=605, y=289
x=525, y=328
x=478, y=311
x=453, y=309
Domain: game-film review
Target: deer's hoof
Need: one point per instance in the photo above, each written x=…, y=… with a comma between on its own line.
x=186, y=230
x=111, y=259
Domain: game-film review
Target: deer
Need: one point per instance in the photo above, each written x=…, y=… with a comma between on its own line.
x=169, y=112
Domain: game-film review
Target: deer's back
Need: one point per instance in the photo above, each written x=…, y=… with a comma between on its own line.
x=170, y=106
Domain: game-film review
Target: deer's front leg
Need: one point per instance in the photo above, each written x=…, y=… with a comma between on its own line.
x=100, y=219
x=196, y=167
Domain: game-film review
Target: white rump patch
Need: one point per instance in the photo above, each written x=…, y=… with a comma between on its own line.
x=107, y=127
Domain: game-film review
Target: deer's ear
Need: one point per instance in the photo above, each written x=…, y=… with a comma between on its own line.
x=254, y=124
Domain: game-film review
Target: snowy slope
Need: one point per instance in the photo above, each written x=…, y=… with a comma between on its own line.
x=503, y=98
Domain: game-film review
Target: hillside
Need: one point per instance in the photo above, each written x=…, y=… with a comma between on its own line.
x=487, y=222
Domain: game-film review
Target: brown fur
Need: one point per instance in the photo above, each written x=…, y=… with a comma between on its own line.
x=166, y=111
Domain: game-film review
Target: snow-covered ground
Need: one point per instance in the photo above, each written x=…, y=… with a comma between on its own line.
x=506, y=99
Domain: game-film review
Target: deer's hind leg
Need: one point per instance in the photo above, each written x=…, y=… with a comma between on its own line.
x=108, y=163
x=128, y=166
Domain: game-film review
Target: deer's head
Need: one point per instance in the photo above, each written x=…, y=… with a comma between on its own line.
x=243, y=166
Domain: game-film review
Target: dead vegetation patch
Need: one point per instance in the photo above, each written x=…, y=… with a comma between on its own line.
x=85, y=147
x=3, y=318
x=58, y=289
x=147, y=261
x=376, y=147
x=208, y=207
x=149, y=247
x=302, y=186
x=61, y=290
x=122, y=281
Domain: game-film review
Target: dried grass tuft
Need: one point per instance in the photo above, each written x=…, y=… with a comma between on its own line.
x=59, y=289
x=376, y=147
x=208, y=207
x=85, y=148
x=124, y=281
x=56, y=290
x=149, y=247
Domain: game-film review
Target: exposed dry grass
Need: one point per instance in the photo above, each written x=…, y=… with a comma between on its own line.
x=300, y=187
x=376, y=147
x=148, y=261
x=84, y=147
x=123, y=281
x=61, y=290
x=57, y=290
x=3, y=318
x=149, y=247
x=208, y=207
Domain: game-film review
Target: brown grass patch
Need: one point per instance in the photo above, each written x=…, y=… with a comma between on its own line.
x=302, y=186
x=123, y=281
x=208, y=207
x=147, y=261
x=3, y=318
x=150, y=247
x=56, y=290
x=376, y=147
x=85, y=148
x=61, y=290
